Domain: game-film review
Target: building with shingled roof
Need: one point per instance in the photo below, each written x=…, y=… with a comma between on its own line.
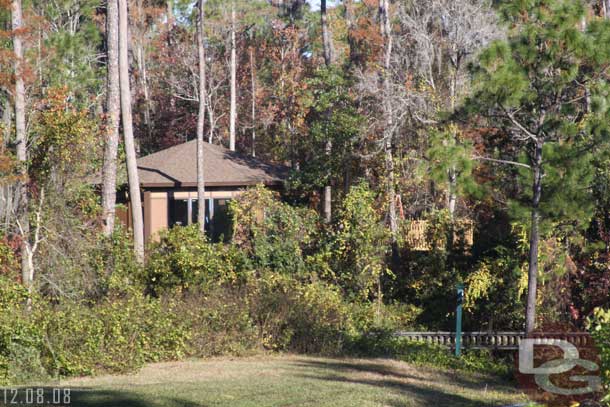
x=168, y=180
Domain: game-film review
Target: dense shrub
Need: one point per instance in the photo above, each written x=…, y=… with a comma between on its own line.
x=369, y=316
x=298, y=316
x=75, y=338
x=599, y=327
x=114, y=264
x=319, y=319
x=183, y=258
x=272, y=234
x=359, y=245
x=112, y=336
x=286, y=283
x=384, y=343
x=219, y=323
x=21, y=339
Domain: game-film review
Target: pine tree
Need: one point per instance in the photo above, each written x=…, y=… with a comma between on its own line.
x=544, y=87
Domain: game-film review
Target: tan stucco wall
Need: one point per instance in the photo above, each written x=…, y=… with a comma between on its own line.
x=155, y=213
x=156, y=208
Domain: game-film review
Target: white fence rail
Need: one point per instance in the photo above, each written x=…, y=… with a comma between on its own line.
x=508, y=340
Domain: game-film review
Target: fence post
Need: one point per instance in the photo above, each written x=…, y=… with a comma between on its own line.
x=458, y=319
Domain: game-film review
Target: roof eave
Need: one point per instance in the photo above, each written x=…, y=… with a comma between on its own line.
x=210, y=184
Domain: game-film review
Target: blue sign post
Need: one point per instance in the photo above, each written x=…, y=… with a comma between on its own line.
x=458, y=319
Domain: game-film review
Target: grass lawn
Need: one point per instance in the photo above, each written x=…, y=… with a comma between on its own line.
x=290, y=380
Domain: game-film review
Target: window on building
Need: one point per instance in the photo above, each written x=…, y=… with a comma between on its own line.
x=184, y=212
x=178, y=212
x=222, y=225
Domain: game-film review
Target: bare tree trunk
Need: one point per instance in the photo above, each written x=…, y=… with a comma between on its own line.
x=27, y=267
x=452, y=173
x=532, y=272
x=7, y=120
x=113, y=111
x=130, y=150
x=328, y=60
x=606, y=8
x=211, y=118
x=253, y=105
x=386, y=31
x=326, y=35
x=146, y=92
x=233, y=118
x=143, y=76
x=201, y=116
x=451, y=193
x=170, y=14
x=328, y=190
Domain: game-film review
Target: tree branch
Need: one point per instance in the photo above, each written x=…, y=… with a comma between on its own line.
x=521, y=127
x=508, y=162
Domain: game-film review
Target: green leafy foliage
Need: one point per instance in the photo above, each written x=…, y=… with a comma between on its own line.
x=66, y=146
x=383, y=343
x=183, y=258
x=114, y=335
x=449, y=156
x=529, y=86
x=271, y=233
x=599, y=328
x=334, y=126
x=359, y=244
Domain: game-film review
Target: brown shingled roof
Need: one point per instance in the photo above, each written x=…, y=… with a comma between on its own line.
x=177, y=166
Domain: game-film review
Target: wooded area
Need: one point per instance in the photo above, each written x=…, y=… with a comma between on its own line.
x=429, y=143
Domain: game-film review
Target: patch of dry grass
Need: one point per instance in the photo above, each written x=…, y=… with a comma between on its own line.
x=291, y=380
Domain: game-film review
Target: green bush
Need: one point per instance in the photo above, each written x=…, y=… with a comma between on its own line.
x=113, y=261
x=370, y=316
x=359, y=245
x=599, y=327
x=75, y=338
x=298, y=316
x=115, y=335
x=183, y=258
x=383, y=343
x=319, y=319
x=218, y=322
x=20, y=337
x=272, y=234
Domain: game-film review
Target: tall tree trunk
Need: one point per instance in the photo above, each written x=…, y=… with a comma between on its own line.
x=130, y=149
x=328, y=190
x=532, y=272
x=233, y=118
x=171, y=20
x=201, y=116
x=326, y=35
x=328, y=60
x=386, y=31
x=113, y=111
x=27, y=267
x=211, y=117
x=253, y=101
x=7, y=121
x=7, y=207
x=452, y=173
x=143, y=71
x=143, y=76
x=605, y=8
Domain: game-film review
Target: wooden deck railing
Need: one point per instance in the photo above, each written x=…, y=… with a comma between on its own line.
x=417, y=235
x=508, y=340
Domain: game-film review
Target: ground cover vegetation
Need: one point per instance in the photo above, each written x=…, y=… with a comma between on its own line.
x=466, y=116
